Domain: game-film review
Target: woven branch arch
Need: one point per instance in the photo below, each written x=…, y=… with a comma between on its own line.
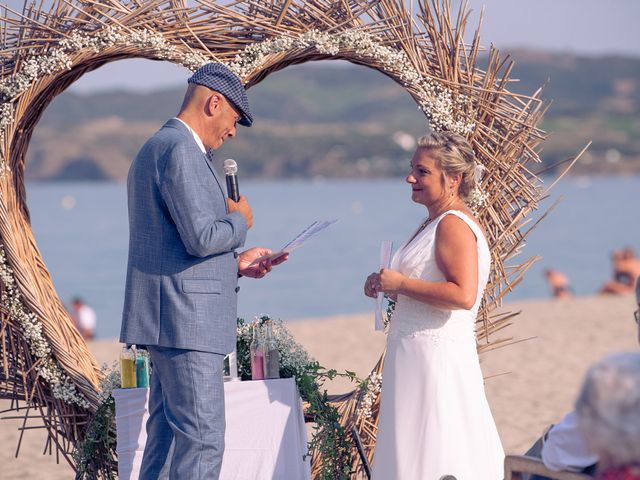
x=43, y=360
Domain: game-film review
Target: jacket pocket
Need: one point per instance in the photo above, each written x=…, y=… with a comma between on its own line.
x=196, y=285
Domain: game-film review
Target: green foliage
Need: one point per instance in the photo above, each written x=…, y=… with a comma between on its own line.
x=329, y=438
x=95, y=456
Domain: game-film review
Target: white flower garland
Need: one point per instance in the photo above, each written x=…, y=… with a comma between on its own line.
x=110, y=381
x=47, y=367
x=59, y=59
x=438, y=102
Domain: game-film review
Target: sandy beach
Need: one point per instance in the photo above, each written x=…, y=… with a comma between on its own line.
x=529, y=384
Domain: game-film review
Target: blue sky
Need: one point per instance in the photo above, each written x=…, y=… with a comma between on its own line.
x=586, y=27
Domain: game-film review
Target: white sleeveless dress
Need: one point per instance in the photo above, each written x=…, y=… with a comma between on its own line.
x=434, y=416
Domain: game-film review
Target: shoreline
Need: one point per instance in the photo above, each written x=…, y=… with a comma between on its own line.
x=529, y=384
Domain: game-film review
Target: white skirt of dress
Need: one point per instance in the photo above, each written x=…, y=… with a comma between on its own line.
x=434, y=416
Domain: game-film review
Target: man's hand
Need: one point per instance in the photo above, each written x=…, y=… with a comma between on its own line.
x=255, y=262
x=242, y=207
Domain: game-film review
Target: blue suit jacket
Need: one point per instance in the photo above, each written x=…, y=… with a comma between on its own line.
x=182, y=269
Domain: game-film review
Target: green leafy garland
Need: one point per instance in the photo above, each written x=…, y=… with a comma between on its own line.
x=95, y=456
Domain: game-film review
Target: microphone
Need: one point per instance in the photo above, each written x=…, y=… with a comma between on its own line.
x=230, y=170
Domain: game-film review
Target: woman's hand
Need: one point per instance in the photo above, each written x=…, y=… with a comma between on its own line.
x=387, y=281
x=390, y=281
x=372, y=285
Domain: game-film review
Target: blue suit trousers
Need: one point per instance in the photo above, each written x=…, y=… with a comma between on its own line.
x=186, y=408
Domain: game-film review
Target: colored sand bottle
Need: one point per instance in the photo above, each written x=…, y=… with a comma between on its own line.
x=142, y=369
x=256, y=350
x=127, y=368
x=271, y=354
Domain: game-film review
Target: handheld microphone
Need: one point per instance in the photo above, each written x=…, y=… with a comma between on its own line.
x=230, y=172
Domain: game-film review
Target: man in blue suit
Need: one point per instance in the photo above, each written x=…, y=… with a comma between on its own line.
x=182, y=274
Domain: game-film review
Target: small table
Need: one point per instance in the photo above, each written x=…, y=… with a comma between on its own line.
x=265, y=438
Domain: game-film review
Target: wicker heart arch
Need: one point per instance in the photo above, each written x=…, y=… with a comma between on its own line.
x=44, y=362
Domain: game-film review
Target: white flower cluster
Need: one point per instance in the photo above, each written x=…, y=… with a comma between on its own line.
x=47, y=367
x=439, y=103
x=292, y=354
x=477, y=199
x=110, y=380
x=6, y=114
x=254, y=55
x=371, y=386
x=194, y=60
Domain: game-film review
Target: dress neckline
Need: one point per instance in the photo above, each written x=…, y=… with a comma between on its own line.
x=421, y=230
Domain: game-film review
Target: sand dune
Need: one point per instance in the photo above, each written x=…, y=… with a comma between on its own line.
x=540, y=382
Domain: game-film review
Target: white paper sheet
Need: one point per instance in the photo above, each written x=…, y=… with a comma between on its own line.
x=386, y=247
x=309, y=232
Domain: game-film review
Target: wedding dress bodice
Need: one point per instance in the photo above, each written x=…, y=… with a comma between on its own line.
x=416, y=259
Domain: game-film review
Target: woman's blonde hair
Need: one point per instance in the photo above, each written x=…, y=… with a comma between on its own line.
x=454, y=156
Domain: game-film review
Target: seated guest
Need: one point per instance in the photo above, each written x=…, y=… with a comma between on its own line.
x=564, y=446
x=608, y=413
x=559, y=284
x=626, y=267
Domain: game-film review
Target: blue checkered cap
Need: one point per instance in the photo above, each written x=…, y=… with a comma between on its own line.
x=218, y=77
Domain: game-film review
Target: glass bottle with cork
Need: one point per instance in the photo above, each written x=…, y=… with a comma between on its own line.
x=256, y=351
x=271, y=354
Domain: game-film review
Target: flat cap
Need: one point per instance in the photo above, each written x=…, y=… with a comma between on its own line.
x=218, y=77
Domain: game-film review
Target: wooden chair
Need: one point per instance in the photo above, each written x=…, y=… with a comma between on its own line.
x=516, y=465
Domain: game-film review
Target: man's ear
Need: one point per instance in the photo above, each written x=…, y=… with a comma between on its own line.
x=214, y=103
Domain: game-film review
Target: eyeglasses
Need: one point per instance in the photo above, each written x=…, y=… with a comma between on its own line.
x=636, y=314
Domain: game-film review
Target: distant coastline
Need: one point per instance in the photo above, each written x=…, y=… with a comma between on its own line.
x=317, y=121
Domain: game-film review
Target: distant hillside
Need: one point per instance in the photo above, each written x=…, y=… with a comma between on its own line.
x=344, y=121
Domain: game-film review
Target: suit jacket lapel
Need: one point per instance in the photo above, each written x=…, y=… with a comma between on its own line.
x=208, y=158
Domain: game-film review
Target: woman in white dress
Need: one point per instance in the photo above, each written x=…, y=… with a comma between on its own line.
x=434, y=417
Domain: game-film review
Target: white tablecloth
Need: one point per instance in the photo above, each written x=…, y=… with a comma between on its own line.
x=265, y=436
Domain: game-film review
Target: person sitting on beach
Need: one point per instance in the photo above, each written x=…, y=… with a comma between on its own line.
x=84, y=318
x=564, y=446
x=559, y=284
x=626, y=267
x=608, y=411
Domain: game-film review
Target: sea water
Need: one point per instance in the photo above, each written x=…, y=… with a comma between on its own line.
x=82, y=232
